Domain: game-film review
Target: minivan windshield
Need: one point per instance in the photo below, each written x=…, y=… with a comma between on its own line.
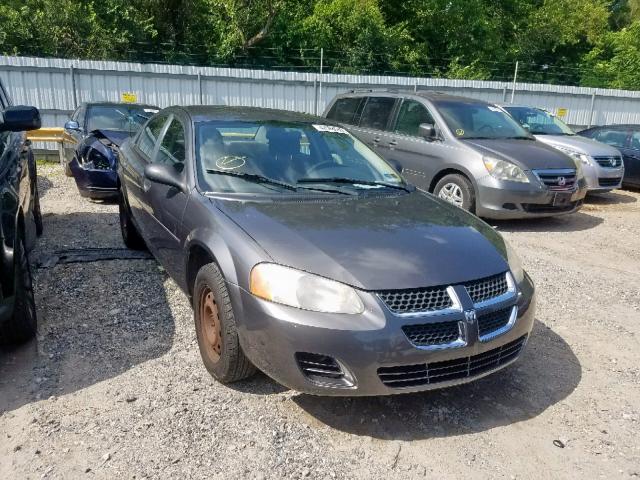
x=538, y=121
x=469, y=120
x=123, y=118
x=261, y=157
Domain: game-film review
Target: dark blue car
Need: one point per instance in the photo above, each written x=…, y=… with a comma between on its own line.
x=92, y=138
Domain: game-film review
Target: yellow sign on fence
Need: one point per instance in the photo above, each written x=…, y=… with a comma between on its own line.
x=129, y=97
x=562, y=112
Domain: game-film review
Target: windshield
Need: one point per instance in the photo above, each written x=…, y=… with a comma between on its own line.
x=479, y=120
x=235, y=156
x=539, y=122
x=126, y=118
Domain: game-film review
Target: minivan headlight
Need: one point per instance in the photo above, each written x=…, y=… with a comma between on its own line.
x=504, y=170
x=299, y=289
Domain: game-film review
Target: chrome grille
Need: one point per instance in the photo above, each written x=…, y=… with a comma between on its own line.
x=459, y=368
x=429, y=334
x=557, y=179
x=487, y=288
x=416, y=300
x=609, y=161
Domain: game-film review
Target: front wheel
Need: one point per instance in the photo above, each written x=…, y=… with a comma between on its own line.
x=457, y=190
x=216, y=328
x=24, y=322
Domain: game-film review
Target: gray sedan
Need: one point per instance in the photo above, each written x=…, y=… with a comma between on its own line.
x=308, y=257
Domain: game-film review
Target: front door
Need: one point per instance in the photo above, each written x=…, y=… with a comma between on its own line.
x=632, y=160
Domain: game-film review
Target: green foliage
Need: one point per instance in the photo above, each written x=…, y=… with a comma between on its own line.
x=589, y=42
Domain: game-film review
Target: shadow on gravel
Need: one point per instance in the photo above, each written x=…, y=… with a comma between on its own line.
x=610, y=198
x=44, y=184
x=547, y=373
x=96, y=321
x=574, y=222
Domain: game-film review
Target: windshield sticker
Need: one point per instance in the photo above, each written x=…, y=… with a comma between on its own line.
x=459, y=132
x=367, y=187
x=151, y=110
x=330, y=129
x=230, y=162
x=494, y=109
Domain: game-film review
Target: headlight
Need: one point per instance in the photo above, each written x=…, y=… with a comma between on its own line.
x=503, y=170
x=515, y=264
x=303, y=290
x=578, y=158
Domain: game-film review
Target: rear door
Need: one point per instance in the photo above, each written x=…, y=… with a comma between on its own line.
x=372, y=126
x=420, y=159
x=166, y=204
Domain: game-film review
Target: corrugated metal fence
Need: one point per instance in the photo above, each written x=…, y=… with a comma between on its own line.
x=57, y=86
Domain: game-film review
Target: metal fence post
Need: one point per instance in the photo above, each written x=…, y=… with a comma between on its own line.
x=315, y=96
x=515, y=78
x=200, y=88
x=320, y=81
x=593, y=101
x=73, y=87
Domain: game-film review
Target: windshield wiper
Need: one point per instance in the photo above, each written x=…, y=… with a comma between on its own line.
x=353, y=181
x=253, y=177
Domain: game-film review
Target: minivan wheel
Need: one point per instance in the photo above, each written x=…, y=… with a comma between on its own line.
x=456, y=189
x=24, y=322
x=130, y=235
x=216, y=329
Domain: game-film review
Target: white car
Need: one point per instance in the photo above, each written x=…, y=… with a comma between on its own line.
x=602, y=164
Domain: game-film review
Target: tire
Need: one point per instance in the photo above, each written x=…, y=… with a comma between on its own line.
x=457, y=190
x=216, y=328
x=66, y=167
x=130, y=234
x=23, y=324
x=37, y=212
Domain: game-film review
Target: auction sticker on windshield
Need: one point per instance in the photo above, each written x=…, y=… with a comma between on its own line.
x=331, y=129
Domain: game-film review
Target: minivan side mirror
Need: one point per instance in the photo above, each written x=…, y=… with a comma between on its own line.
x=427, y=131
x=72, y=125
x=164, y=175
x=20, y=119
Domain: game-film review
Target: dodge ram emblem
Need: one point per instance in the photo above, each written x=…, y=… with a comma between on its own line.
x=470, y=316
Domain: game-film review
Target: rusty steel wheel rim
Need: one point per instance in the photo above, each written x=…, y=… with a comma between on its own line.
x=210, y=324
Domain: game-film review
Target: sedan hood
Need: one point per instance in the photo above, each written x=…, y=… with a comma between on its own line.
x=114, y=136
x=580, y=144
x=527, y=154
x=380, y=243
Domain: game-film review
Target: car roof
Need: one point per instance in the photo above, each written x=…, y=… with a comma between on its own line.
x=630, y=126
x=433, y=95
x=203, y=113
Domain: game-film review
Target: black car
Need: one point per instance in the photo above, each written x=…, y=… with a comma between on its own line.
x=21, y=220
x=91, y=142
x=625, y=138
x=307, y=256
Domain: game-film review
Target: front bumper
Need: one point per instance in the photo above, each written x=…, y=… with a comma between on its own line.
x=601, y=179
x=502, y=200
x=96, y=184
x=363, y=345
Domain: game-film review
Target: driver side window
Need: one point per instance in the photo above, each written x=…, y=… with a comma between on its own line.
x=148, y=137
x=172, y=148
x=411, y=115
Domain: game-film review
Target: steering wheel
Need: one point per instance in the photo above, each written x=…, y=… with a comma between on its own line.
x=322, y=165
x=486, y=128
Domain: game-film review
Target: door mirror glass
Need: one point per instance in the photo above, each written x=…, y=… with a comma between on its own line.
x=20, y=119
x=164, y=175
x=72, y=125
x=427, y=131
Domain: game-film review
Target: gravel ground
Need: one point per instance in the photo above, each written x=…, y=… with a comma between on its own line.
x=114, y=386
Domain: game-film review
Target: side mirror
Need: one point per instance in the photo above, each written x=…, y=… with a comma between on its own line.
x=164, y=175
x=72, y=125
x=20, y=119
x=427, y=131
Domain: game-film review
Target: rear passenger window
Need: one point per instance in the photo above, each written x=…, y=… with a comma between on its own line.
x=376, y=112
x=344, y=110
x=172, y=151
x=411, y=115
x=149, y=135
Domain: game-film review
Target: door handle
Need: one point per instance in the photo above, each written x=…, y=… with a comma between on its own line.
x=376, y=140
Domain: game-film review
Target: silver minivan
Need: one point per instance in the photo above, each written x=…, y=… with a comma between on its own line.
x=602, y=164
x=468, y=152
